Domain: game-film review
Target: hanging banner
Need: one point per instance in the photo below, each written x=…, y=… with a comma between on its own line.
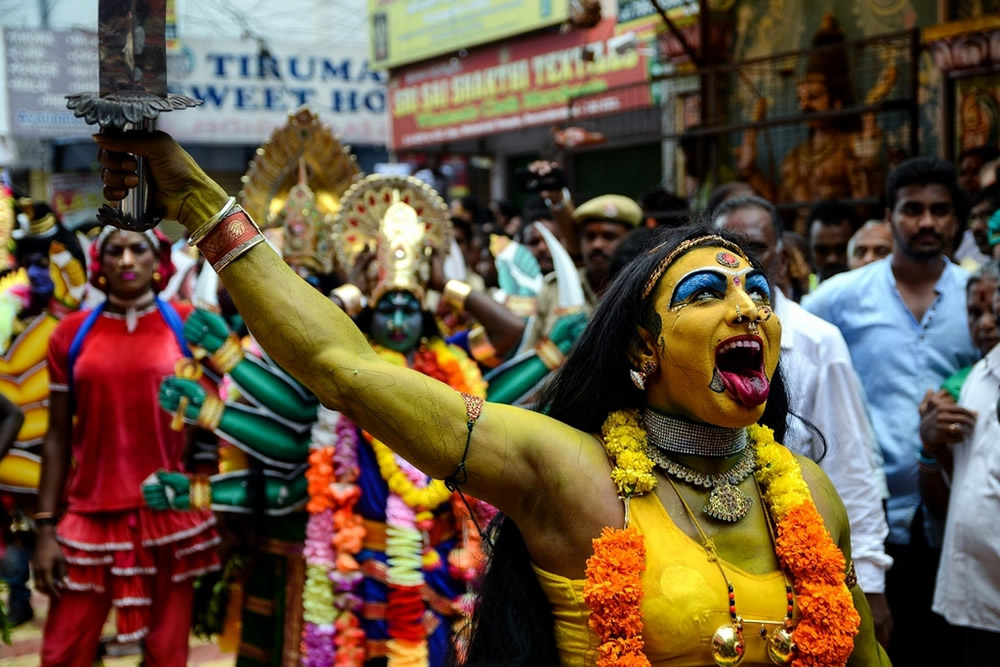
x=248, y=89
x=408, y=31
x=522, y=83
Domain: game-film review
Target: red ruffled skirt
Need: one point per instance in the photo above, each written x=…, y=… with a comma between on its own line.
x=118, y=552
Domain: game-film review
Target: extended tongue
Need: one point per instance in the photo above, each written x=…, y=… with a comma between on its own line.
x=751, y=389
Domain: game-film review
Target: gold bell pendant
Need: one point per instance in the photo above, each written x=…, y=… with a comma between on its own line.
x=781, y=646
x=727, y=645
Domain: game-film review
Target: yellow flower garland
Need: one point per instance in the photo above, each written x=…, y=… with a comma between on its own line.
x=625, y=441
x=419, y=498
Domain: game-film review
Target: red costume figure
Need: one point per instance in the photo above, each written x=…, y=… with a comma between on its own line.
x=109, y=551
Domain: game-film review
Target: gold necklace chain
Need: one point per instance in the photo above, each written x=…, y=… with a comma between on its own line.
x=728, y=644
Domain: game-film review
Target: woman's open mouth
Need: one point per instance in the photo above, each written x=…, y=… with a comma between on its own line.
x=740, y=363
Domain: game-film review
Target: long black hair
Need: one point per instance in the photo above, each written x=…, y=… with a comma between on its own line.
x=513, y=624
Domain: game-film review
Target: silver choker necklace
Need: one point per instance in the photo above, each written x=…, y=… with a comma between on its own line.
x=681, y=437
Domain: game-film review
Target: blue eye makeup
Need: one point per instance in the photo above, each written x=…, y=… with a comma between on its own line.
x=702, y=281
x=757, y=283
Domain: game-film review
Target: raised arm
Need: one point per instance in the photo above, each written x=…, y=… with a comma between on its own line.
x=420, y=418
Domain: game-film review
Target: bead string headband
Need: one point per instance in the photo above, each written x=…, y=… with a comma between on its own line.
x=654, y=277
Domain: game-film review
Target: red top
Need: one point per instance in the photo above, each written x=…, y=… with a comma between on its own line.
x=121, y=435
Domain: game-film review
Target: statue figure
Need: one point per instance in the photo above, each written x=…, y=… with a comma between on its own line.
x=840, y=159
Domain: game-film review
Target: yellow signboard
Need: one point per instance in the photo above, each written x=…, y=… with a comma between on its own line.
x=408, y=31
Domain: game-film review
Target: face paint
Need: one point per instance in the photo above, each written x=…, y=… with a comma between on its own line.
x=717, y=362
x=397, y=321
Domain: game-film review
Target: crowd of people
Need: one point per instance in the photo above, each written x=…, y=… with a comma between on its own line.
x=598, y=432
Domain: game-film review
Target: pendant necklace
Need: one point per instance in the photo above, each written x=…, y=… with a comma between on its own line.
x=726, y=502
x=729, y=643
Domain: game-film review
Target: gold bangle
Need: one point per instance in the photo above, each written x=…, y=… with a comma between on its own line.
x=455, y=294
x=211, y=413
x=229, y=354
x=522, y=306
x=351, y=297
x=211, y=223
x=177, y=423
x=481, y=348
x=200, y=497
x=550, y=354
x=40, y=516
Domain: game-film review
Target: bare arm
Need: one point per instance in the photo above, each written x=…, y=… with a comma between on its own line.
x=11, y=419
x=504, y=327
x=49, y=564
x=307, y=335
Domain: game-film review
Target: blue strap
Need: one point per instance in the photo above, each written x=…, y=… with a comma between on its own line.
x=167, y=312
x=74, y=348
x=175, y=323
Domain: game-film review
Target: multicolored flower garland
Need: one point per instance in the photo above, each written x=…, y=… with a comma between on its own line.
x=828, y=622
x=335, y=534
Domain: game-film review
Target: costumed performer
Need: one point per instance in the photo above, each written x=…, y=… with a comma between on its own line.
x=32, y=303
x=701, y=540
x=388, y=561
x=106, y=550
x=49, y=282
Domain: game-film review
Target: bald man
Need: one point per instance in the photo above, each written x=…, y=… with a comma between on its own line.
x=873, y=241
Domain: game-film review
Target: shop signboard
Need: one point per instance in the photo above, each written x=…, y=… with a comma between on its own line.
x=409, y=31
x=41, y=68
x=247, y=91
x=522, y=83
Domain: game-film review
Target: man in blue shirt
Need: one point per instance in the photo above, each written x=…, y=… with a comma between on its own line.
x=904, y=321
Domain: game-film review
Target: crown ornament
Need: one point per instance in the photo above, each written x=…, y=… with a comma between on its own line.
x=403, y=220
x=294, y=187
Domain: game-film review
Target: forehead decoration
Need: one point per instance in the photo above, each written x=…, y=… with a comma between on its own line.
x=728, y=259
x=709, y=239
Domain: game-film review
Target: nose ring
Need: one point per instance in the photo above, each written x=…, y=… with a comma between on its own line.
x=739, y=315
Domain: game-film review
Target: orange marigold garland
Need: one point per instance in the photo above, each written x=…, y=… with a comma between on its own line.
x=614, y=594
x=613, y=590
x=828, y=621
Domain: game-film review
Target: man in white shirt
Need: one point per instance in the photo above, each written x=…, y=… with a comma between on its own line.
x=968, y=579
x=824, y=390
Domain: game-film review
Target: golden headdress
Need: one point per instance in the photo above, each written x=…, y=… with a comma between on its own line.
x=295, y=184
x=403, y=220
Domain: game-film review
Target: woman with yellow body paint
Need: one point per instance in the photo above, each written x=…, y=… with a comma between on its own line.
x=646, y=519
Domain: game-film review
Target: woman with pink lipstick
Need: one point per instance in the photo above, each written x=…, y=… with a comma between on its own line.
x=105, y=549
